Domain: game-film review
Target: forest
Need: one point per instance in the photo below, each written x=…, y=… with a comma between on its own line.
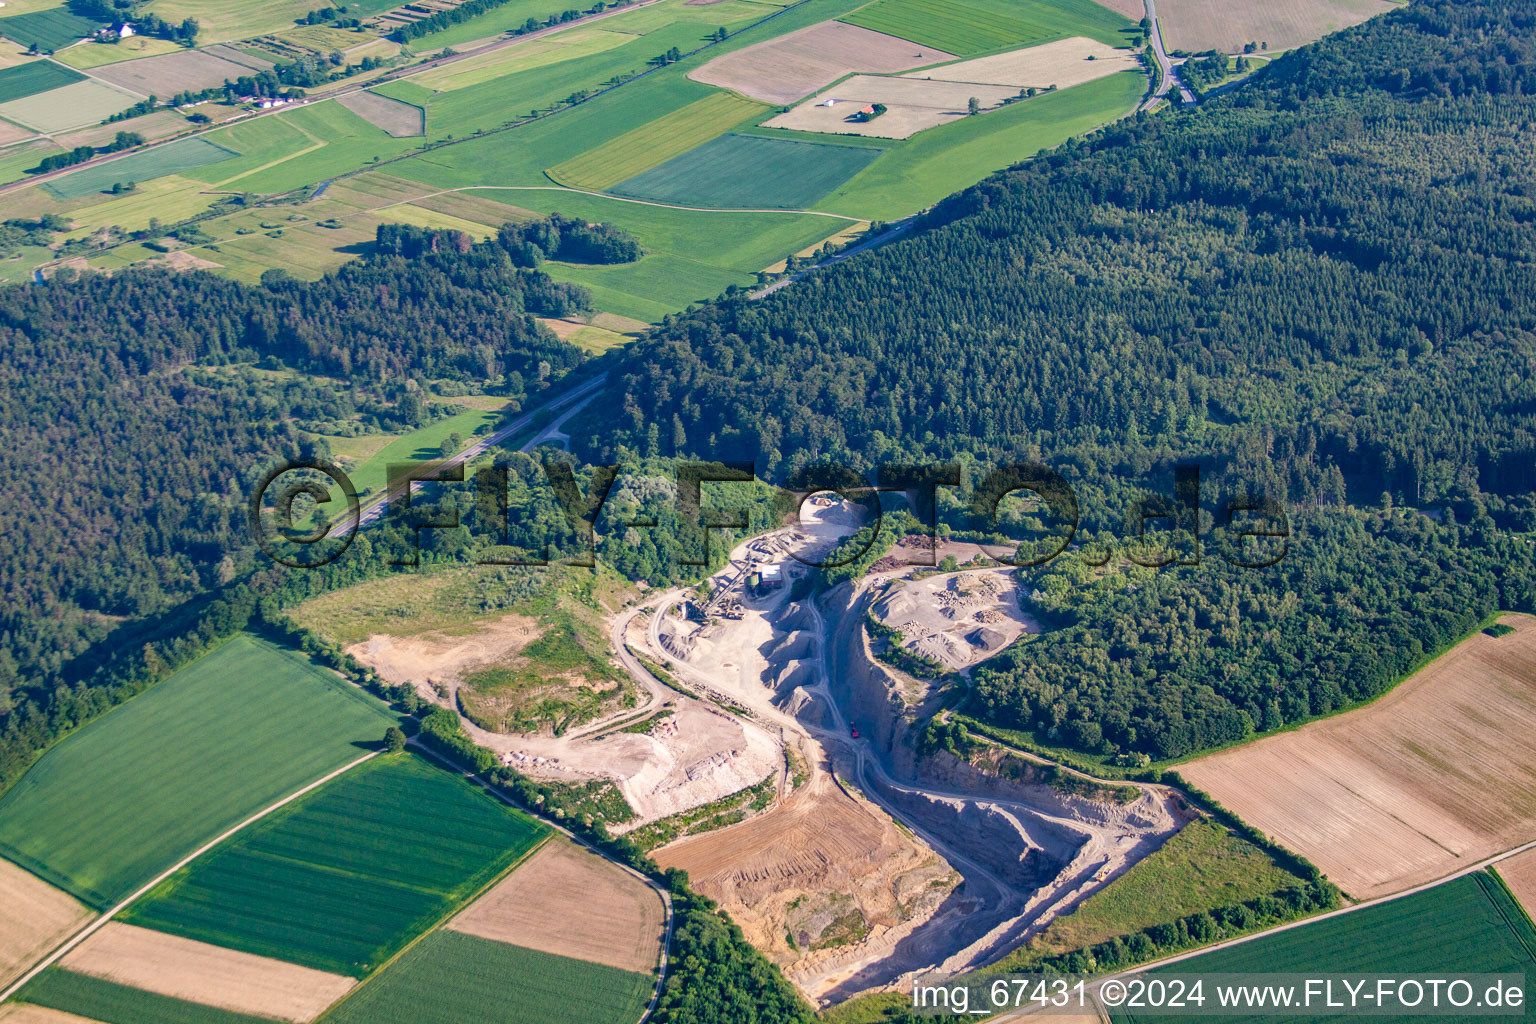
x=1319, y=288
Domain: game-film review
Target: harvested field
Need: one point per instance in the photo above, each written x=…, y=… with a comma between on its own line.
x=750, y=172
x=1519, y=873
x=572, y=902
x=211, y=975
x=13, y=133
x=396, y=117
x=94, y=55
x=911, y=106
x=152, y=126
x=1197, y=25
x=69, y=106
x=26, y=1013
x=172, y=158
x=1064, y=63
x=654, y=143
x=1435, y=775
x=170, y=73
x=38, y=76
x=783, y=70
x=823, y=865
x=34, y=918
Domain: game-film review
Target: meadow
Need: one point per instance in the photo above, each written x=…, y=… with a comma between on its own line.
x=966, y=27
x=172, y=158
x=49, y=29
x=371, y=474
x=656, y=142
x=95, y=55
x=453, y=978
x=68, y=106
x=96, y=999
x=751, y=172
x=1467, y=925
x=221, y=20
x=933, y=164
x=492, y=23
x=342, y=879
x=35, y=77
x=1202, y=867
x=295, y=148
x=122, y=799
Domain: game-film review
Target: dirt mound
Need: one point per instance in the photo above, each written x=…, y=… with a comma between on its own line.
x=956, y=619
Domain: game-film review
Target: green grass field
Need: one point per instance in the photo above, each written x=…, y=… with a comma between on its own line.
x=106, y=1001
x=965, y=27
x=222, y=20
x=298, y=148
x=750, y=172
x=1201, y=868
x=172, y=158
x=121, y=800
x=424, y=445
x=342, y=879
x=451, y=978
x=48, y=29
x=95, y=55
x=1467, y=925
x=942, y=160
x=657, y=142
x=34, y=77
x=491, y=23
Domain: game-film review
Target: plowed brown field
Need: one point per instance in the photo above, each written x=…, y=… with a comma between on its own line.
x=1519, y=873
x=1227, y=24
x=571, y=902
x=1438, y=774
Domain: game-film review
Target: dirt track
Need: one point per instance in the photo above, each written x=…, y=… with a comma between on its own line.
x=1436, y=774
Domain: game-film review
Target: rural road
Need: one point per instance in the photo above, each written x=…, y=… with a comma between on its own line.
x=98, y=923
x=890, y=234
x=372, y=510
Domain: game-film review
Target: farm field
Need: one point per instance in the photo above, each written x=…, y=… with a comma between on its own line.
x=121, y=799
x=371, y=474
x=27, y=1013
x=1197, y=25
x=110, y=1003
x=453, y=978
x=534, y=53
x=571, y=902
x=784, y=69
x=912, y=105
x=24, y=80
x=196, y=972
x=295, y=148
x=1519, y=873
x=1202, y=867
x=395, y=117
x=68, y=106
x=1064, y=63
x=172, y=158
x=1465, y=925
x=965, y=27
x=50, y=28
x=223, y=20
x=935, y=163
x=152, y=126
x=94, y=55
x=343, y=878
x=749, y=171
x=655, y=143
x=184, y=70
x=492, y=23
x=1430, y=777
x=34, y=918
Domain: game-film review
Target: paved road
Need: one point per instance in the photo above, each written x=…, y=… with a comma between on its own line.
x=372, y=510
x=1169, y=78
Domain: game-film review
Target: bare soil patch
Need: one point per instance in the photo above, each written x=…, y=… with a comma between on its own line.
x=34, y=918
x=784, y=69
x=1519, y=873
x=823, y=869
x=202, y=973
x=1226, y=25
x=1064, y=63
x=957, y=619
x=911, y=105
x=1436, y=775
x=571, y=902
x=396, y=117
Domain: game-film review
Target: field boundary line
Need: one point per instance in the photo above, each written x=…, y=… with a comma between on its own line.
x=1151, y=965
x=650, y=883
x=650, y=202
x=100, y=922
